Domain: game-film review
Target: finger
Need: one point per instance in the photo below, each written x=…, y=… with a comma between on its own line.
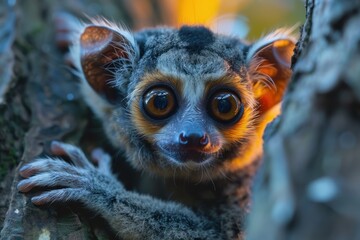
x=53, y=179
x=46, y=164
x=59, y=196
x=75, y=154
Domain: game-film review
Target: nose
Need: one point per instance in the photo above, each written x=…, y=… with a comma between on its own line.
x=194, y=140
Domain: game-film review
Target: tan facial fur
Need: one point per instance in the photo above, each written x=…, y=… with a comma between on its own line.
x=243, y=128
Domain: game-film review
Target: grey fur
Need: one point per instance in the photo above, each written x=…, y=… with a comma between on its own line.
x=163, y=50
x=137, y=216
x=198, y=202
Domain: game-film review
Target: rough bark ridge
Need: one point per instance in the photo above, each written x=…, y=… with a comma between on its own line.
x=308, y=187
x=38, y=103
x=38, y=106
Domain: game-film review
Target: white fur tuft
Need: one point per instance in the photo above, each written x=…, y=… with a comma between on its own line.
x=278, y=34
x=78, y=28
x=118, y=67
x=121, y=29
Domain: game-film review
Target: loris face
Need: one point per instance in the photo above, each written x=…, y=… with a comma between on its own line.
x=192, y=128
x=190, y=99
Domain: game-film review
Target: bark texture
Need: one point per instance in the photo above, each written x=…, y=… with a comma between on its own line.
x=309, y=185
x=39, y=102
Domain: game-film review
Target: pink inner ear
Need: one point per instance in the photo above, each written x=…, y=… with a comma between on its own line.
x=270, y=69
x=281, y=52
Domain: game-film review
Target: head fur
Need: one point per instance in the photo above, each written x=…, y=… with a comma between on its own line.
x=192, y=64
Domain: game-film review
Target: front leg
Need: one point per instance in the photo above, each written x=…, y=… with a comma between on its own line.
x=131, y=215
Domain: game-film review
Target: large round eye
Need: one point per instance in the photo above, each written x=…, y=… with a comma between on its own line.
x=159, y=102
x=225, y=107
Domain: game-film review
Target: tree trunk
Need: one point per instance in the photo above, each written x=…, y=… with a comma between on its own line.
x=39, y=103
x=307, y=186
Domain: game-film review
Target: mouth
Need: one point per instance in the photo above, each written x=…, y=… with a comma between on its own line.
x=187, y=157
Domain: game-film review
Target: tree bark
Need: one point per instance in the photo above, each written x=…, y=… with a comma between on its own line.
x=39, y=103
x=307, y=187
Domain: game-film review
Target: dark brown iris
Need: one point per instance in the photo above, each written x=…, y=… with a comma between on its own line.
x=159, y=102
x=225, y=107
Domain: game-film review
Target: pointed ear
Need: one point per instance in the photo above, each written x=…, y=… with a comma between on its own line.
x=105, y=53
x=269, y=62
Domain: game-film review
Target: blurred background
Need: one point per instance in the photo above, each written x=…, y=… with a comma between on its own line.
x=244, y=18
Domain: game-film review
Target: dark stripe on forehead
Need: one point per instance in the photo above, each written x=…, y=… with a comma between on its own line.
x=196, y=37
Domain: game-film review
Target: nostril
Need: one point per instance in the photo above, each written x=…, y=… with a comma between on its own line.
x=204, y=140
x=183, y=139
x=194, y=140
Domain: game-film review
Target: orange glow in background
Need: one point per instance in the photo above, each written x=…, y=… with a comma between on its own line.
x=192, y=12
x=243, y=18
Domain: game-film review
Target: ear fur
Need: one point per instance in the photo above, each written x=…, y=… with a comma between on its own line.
x=269, y=62
x=104, y=53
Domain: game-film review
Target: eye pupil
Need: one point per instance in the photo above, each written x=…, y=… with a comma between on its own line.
x=161, y=101
x=224, y=105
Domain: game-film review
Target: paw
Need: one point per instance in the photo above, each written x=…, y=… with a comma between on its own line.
x=60, y=181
